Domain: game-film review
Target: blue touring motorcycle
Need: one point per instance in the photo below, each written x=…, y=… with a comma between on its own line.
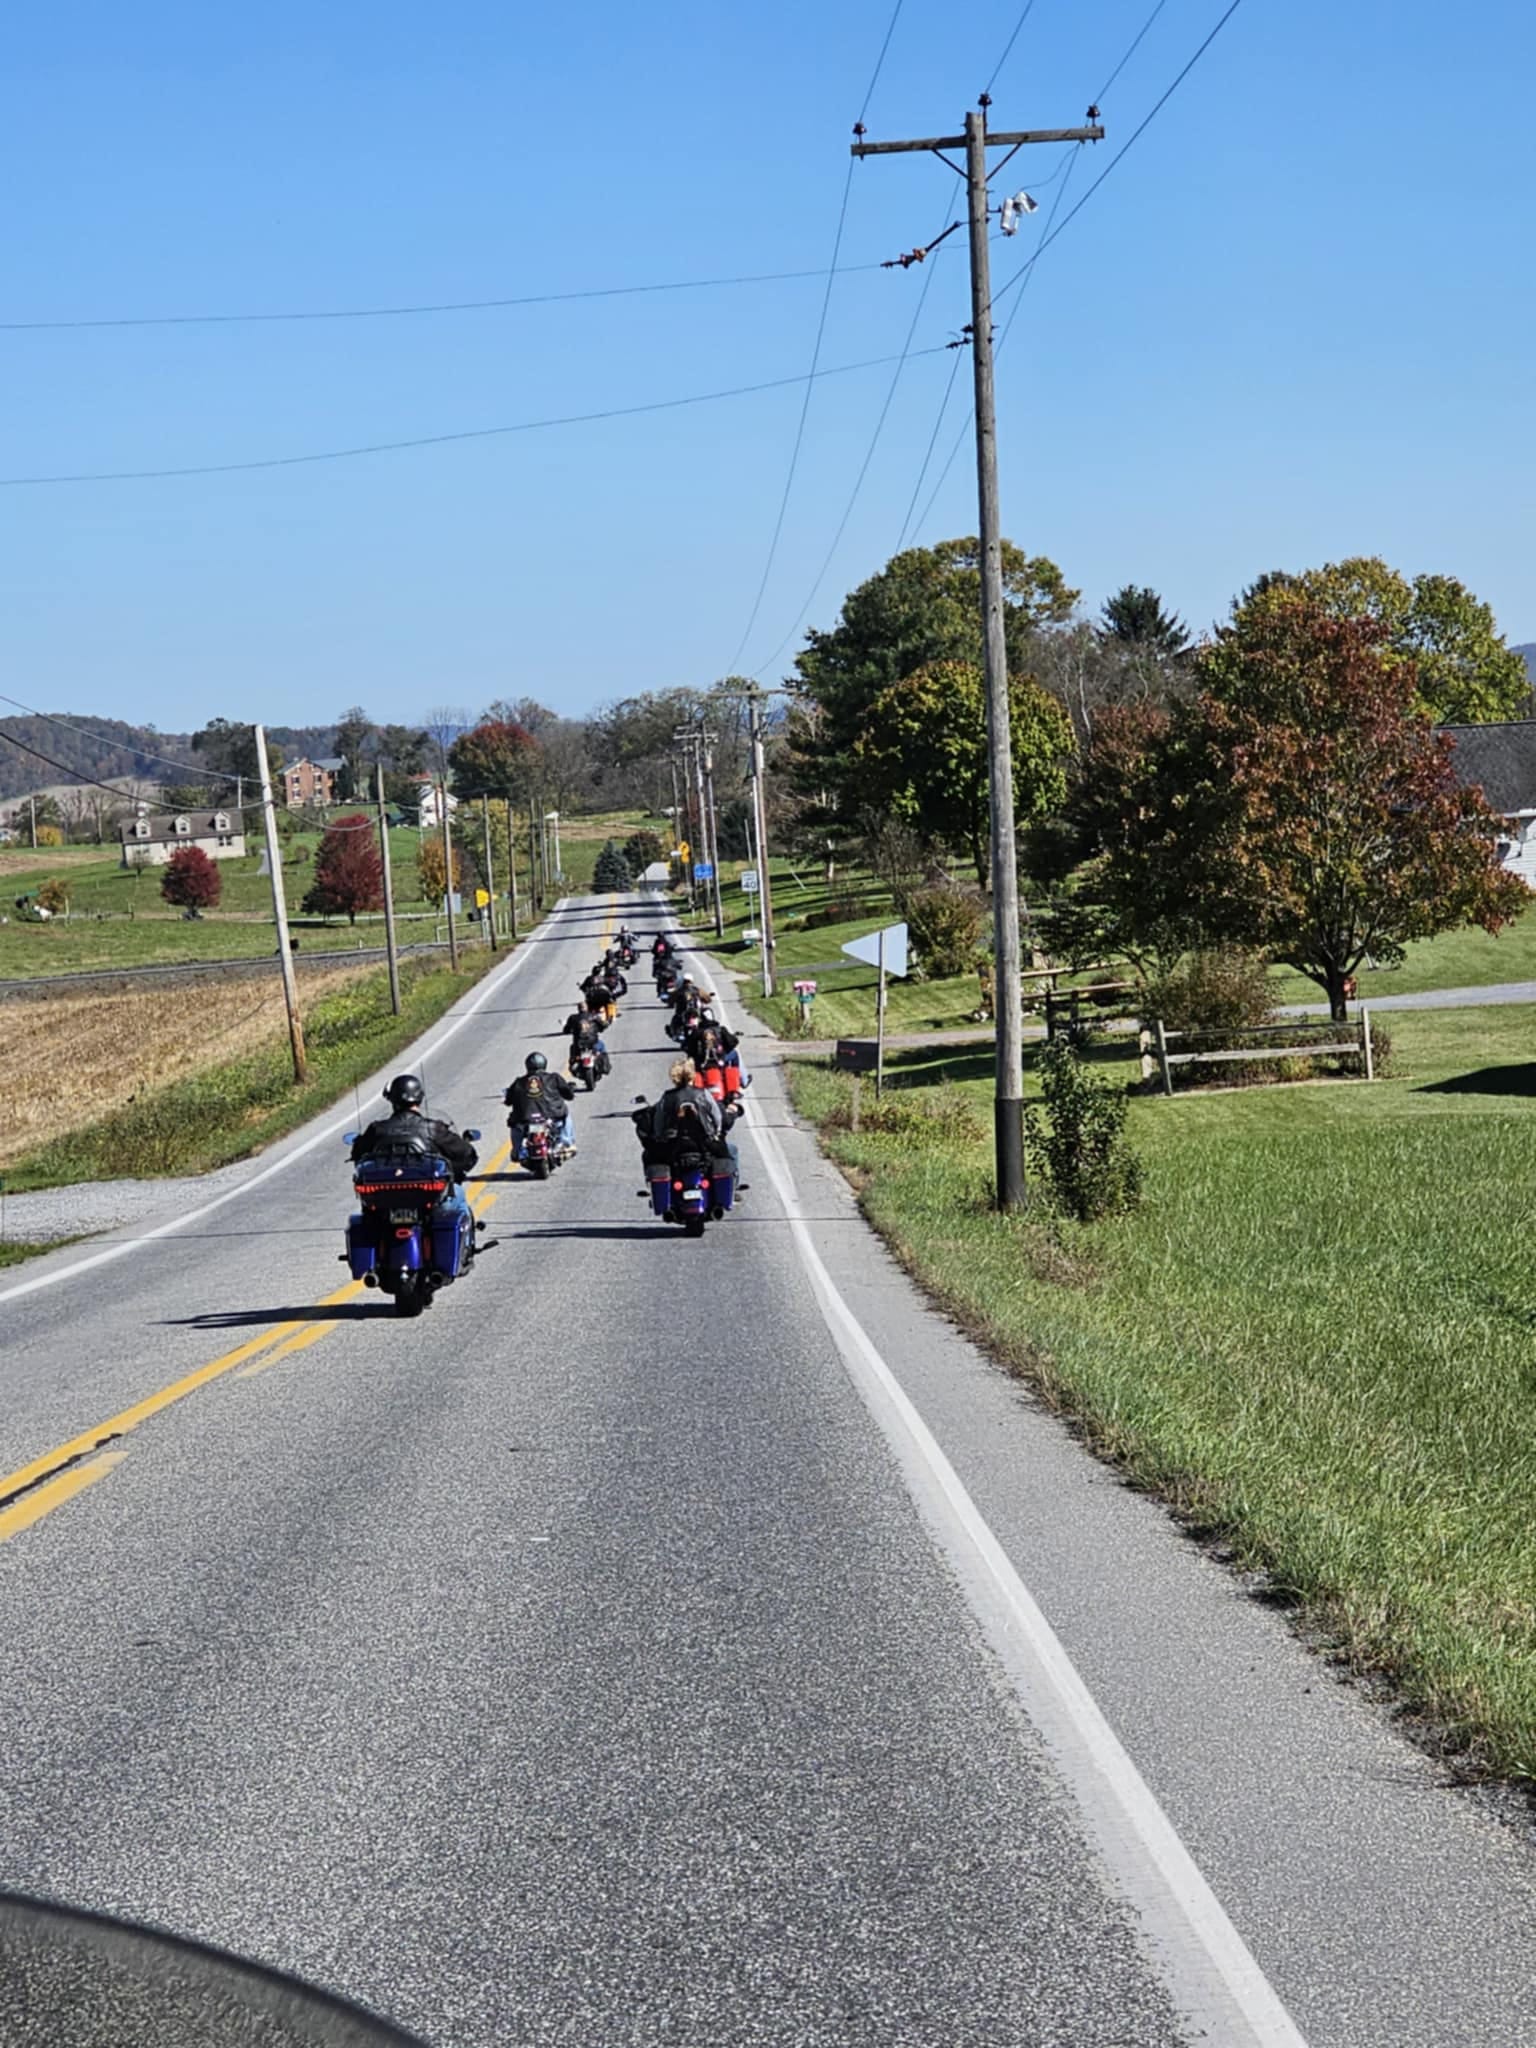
x=400, y=1238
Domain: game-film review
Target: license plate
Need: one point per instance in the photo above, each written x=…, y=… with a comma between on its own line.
x=402, y=1215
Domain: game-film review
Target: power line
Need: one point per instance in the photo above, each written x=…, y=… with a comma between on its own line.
x=618, y=291
x=1123, y=150
x=858, y=482
x=874, y=77
x=576, y=419
x=1026, y=270
x=1008, y=46
x=196, y=774
x=821, y=329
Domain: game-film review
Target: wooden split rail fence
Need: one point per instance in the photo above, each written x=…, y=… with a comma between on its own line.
x=1156, y=1055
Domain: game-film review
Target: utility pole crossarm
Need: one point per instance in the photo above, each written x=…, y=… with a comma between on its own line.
x=1016, y=139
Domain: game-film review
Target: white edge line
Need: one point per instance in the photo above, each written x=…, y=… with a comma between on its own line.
x=1207, y=1966
x=494, y=981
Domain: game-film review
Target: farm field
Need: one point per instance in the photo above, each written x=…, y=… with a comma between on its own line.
x=1314, y=1338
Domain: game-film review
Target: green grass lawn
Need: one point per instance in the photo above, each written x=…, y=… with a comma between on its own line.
x=1464, y=959
x=119, y=918
x=1315, y=1337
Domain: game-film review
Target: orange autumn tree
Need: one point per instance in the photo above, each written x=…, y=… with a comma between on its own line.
x=1302, y=804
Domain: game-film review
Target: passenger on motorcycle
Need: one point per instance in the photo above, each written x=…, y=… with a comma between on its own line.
x=687, y=1110
x=538, y=1093
x=584, y=1028
x=408, y=1129
x=661, y=949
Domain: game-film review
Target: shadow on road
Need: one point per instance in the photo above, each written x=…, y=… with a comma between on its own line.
x=309, y=1312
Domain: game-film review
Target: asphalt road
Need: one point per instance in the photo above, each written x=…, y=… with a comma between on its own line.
x=634, y=1650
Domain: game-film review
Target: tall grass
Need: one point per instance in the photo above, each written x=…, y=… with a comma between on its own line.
x=234, y=1107
x=1315, y=1340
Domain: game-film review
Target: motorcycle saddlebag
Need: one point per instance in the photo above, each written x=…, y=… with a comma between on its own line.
x=362, y=1253
x=448, y=1236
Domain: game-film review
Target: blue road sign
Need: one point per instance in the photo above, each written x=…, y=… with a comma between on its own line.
x=703, y=871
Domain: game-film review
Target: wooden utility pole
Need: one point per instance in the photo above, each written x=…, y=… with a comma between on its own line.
x=1008, y=1105
x=280, y=912
x=511, y=872
x=490, y=882
x=707, y=775
x=448, y=877
x=760, y=820
x=390, y=948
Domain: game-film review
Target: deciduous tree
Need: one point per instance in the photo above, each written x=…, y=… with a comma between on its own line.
x=494, y=758
x=922, y=609
x=923, y=755
x=349, y=875
x=1303, y=803
x=1466, y=674
x=191, y=880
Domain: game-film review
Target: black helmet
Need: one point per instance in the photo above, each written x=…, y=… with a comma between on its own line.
x=405, y=1092
x=535, y=1063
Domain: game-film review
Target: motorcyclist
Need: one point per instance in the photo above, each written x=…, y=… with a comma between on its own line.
x=686, y=1109
x=539, y=1093
x=584, y=1028
x=685, y=1003
x=661, y=949
x=408, y=1129
x=600, y=993
x=709, y=1041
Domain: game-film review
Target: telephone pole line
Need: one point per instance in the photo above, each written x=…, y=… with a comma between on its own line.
x=1008, y=1106
x=390, y=948
x=760, y=823
x=280, y=911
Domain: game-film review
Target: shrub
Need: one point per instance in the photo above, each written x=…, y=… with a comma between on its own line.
x=945, y=926
x=191, y=880
x=54, y=896
x=611, y=872
x=1078, y=1146
x=49, y=835
x=1226, y=991
x=641, y=849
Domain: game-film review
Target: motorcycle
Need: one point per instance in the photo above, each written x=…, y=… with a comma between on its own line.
x=539, y=1148
x=587, y=1067
x=682, y=1027
x=668, y=975
x=627, y=957
x=399, y=1239
x=690, y=1187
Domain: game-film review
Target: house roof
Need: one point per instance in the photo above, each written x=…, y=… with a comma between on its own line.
x=201, y=825
x=1500, y=759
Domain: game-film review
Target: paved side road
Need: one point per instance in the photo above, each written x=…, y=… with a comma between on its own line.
x=595, y=1661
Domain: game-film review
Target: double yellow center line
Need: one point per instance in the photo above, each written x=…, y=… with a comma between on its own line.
x=36, y=1489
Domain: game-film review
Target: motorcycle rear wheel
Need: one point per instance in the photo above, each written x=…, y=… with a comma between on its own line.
x=693, y=1226
x=539, y=1168
x=410, y=1295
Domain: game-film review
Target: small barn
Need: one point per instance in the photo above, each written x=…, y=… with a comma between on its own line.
x=1501, y=760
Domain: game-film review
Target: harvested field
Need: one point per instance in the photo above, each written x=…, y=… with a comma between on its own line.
x=79, y=1058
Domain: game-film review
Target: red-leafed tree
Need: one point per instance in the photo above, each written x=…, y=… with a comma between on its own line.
x=349, y=874
x=1301, y=804
x=191, y=880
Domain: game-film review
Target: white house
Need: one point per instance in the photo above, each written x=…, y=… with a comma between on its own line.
x=426, y=798
x=1501, y=760
x=150, y=841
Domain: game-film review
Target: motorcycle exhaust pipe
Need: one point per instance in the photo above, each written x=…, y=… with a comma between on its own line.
x=370, y=1279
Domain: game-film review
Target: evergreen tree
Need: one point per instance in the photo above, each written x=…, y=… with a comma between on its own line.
x=1135, y=616
x=612, y=871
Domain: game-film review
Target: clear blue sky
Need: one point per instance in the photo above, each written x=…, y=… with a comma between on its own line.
x=1295, y=323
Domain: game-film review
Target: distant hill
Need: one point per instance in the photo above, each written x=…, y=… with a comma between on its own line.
x=107, y=750
x=1529, y=651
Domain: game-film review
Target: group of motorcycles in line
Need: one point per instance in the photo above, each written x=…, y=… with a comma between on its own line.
x=411, y=1234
